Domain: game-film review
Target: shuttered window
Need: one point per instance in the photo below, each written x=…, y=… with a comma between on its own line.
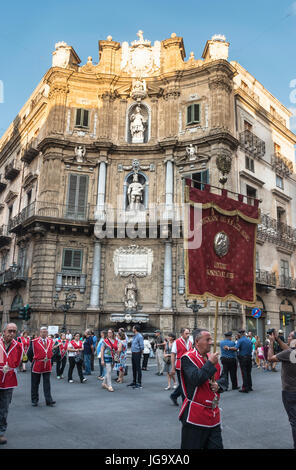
x=193, y=114
x=72, y=260
x=77, y=197
x=199, y=178
x=82, y=118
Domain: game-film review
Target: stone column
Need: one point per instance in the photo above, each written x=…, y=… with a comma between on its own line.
x=96, y=273
x=167, y=278
x=169, y=184
x=101, y=189
x=56, y=121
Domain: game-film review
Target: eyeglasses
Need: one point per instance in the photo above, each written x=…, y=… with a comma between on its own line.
x=12, y=331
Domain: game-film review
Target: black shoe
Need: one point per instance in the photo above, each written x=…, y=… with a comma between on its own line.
x=131, y=384
x=52, y=403
x=235, y=388
x=243, y=391
x=161, y=373
x=34, y=403
x=250, y=390
x=174, y=400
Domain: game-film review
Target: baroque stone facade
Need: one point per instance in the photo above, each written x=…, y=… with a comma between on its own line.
x=98, y=149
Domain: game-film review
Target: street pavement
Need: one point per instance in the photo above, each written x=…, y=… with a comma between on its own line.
x=89, y=417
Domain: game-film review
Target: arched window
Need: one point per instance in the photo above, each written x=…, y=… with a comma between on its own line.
x=138, y=123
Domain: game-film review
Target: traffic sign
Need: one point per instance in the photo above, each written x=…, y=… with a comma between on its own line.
x=256, y=313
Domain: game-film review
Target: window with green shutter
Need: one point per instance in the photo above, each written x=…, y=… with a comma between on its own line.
x=193, y=114
x=200, y=179
x=82, y=118
x=77, y=197
x=72, y=260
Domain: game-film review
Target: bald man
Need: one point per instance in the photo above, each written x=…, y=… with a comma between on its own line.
x=11, y=353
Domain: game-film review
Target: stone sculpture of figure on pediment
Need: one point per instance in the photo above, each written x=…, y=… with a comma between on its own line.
x=137, y=126
x=80, y=152
x=191, y=152
x=130, y=295
x=135, y=193
x=138, y=89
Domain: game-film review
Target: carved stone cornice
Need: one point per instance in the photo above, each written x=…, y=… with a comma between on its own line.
x=58, y=89
x=171, y=94
x=221, y=83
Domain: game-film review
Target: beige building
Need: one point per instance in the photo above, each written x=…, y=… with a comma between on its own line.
x=98, y=149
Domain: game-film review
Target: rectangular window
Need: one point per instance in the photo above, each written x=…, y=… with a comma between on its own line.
x=277, y=148
x=4, y=261
x=10, y=210
x=72, y=260
x=82, y=118
x=77, y=196
x=250, y=164
x=251, y=194
x=285, y=272
x=21, y=261
x=279, y=182
x=193, y=114
x=200, y=179
x=248, y=126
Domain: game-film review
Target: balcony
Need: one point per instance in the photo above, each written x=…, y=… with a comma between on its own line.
x=252, y=144
x=276, y=232
x=2, y=185
x=50, y=212
x=5, y=236
x=265, y=278
x=14, y=277
x=12, y=170
x=30, y=151
x=281, y=165
x=70, y=280
x=287, y=283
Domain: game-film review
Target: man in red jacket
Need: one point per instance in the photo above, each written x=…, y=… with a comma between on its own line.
x=200, y=413
x=40, y=354
x=11, y=353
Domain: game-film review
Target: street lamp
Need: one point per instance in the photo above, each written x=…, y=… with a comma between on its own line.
x=70, y=299
x=195, y=307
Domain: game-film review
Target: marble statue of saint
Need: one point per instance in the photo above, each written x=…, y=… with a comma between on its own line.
x=80, y=152
x=191, y=152
x=137, y=126
x=135, y=193
x=130, y=295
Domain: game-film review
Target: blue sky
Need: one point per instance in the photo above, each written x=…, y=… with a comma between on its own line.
x=261, y=35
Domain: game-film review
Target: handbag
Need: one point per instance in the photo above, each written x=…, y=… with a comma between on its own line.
x=25, y=358
x=167, y=359
x=115, y=355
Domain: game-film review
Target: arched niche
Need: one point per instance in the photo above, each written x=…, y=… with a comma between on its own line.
x=143, y=179
x=146, y=113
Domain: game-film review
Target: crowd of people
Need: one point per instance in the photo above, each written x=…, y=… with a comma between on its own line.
x=192, y=371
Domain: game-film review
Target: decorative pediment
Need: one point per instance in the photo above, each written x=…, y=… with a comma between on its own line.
x=29, y=180
x=191, y=157
x=89, y=67
x=11, y=196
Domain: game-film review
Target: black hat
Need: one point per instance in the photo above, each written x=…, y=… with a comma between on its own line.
x=229, y=333
x=241, y=332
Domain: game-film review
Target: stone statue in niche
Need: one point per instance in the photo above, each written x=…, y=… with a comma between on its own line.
x=137, y=126
x=80, y=152
x=130, y=295
x=135, y=193
x=191, y=152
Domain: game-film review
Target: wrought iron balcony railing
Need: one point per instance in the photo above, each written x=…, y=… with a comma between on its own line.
x=287, y=282
x=12, y=170
x=5, y=236
x=50, y=210
x=70, y=280
x=265, y=277
x=281, y=165
x=252, y=144
x=13, y=276
x=276, y=232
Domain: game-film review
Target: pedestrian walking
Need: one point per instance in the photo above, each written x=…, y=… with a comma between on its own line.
x=252, y=338
x=244, y=346
x=24, y=339
x=121, y=366
x=202, y=385
x=87, y=351
x=288, y=374
x=103, y=335
x=40, y=354
x=168, y=361
x=11, y=352
x=75, y=349
x=260, y=355
x=146, y=352
x=109, y=350
x=159, y=345
x=180, y=347
x=229, y=360
x=92, y=359
x=137, y=348
x=62, y=357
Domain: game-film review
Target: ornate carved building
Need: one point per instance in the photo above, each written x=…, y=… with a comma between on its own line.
x=98, y=149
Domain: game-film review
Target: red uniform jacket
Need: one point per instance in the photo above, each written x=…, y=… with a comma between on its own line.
x=26, y=343
x=42, y=355
x=200, y=411
x=9, y=361
x=181, y=350
x=63, y=347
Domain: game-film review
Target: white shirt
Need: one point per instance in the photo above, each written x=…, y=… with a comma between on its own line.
x=69, y=337
x=174, y=347
x=70, y=353
x=147, y=346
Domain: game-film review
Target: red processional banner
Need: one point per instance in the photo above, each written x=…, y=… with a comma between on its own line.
x=223, y=264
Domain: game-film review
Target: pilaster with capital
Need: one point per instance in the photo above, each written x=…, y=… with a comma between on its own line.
x=56, y=122
x=221, y=88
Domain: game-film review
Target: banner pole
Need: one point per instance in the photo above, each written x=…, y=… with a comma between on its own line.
x=215, y=331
